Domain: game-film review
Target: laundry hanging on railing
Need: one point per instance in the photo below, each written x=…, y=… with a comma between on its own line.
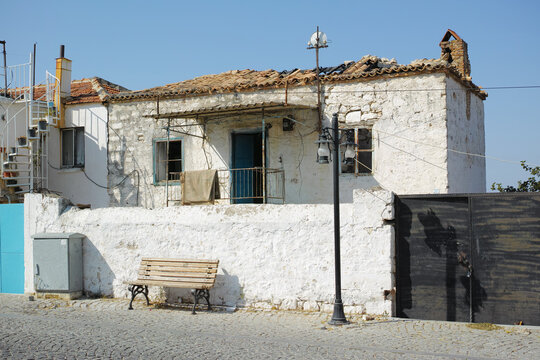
x=199, y=187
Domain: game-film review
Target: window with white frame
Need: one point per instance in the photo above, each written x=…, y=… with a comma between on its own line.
x=363, y=160
x=72, y=147
x=167, y=162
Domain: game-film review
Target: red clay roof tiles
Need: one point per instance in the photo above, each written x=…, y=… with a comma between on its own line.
x=367, y=68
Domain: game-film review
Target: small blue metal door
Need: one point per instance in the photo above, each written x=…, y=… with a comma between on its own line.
x=12, y=248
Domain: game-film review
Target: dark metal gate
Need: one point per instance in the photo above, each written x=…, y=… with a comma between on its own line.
x=471, y=257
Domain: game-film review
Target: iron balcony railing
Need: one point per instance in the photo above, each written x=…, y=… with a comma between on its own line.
x=241, y=186
x=252, y=185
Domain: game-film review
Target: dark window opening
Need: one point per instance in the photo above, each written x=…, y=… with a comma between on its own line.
x=363, y=160
x=72, y=142
x=167, y=165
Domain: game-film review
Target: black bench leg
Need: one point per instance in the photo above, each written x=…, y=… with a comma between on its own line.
x=136, y=290
x=145, y=293
x=197, y=294
x=207, y=297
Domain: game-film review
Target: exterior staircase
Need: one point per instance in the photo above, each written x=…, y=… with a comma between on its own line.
x=24, y=131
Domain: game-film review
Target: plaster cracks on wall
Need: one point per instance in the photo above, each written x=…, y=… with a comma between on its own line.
x=405, y=164
x=271, y=256
x=466, y=133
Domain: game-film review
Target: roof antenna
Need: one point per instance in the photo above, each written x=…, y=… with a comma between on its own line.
x=317, y=41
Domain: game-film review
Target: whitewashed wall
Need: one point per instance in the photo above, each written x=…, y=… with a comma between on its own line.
x=72, y=182
x=278, y=256
x=466, y=133
x=410, y=139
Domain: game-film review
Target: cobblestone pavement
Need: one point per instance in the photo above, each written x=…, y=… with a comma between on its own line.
x=92, y=329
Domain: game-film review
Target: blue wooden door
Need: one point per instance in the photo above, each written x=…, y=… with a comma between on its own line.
x=12, y=248
x=247, y=186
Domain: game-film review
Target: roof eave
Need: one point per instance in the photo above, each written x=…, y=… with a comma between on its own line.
x=384, y=73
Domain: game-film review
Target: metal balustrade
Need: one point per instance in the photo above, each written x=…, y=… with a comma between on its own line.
x=252, y=185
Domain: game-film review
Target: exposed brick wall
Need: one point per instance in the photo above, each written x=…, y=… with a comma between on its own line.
x=455, y=51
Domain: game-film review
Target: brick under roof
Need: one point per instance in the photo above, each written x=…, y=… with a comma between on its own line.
x=368, y=68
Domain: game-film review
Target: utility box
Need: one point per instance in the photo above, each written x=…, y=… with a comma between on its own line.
x=58, y=265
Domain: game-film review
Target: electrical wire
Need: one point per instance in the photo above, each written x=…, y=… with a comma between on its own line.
x=370, y=192
x=107, y=187
x=451, y=150
x=292, y=92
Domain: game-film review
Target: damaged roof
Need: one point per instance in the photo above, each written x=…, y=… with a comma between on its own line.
x=84, y=91
x=368, y=68
x=92, y=90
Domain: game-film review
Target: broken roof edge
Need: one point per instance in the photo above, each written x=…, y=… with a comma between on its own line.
x=100, y=86
x=232, y=109
x=382, y=73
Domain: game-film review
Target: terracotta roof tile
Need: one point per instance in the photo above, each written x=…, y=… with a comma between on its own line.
x=367, y=68
x=84, y=91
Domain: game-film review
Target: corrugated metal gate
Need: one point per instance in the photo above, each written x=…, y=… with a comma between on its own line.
x=12, y=248
x=471, y=257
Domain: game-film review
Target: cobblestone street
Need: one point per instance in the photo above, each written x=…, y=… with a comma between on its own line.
x=103, y=328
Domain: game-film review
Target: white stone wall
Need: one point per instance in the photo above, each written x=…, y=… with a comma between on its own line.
x=278, y=256
x=408, y=116
x=72, y=183
x=466, y=133
x=405, y=113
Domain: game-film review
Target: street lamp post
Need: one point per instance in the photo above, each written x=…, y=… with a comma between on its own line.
x=318, y=40
x=338, y=317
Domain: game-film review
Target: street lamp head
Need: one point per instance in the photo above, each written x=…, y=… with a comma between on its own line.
x=349, y=154
x=323, y=153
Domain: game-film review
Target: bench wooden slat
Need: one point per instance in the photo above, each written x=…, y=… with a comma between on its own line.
x=179, y=265
x=177, y=280
x=178, y=269
x=183, y=273
x=178, y=274
x=175, y=277
x=185, y=285
x=186, y=261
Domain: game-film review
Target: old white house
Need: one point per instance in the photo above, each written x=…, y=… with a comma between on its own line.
x=248, y=136
x=414, y=126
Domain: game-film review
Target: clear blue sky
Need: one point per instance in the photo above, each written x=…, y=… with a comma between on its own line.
x=140, y=44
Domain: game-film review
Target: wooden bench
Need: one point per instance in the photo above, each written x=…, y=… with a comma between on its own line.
x=197, y=275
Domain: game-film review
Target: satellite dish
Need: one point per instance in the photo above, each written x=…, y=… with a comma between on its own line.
x=322, y=39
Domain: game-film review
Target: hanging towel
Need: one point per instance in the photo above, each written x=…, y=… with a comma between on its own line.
x=199, y=187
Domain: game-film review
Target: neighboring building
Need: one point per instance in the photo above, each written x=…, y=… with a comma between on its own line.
x=414, y=125
x=78, y=150
x=50, y=148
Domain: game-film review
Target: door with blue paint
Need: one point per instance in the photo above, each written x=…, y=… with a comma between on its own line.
x=247, y=155
x=12, y=248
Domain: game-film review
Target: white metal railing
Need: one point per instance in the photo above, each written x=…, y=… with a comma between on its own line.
x=24, y=131
x=18, y=80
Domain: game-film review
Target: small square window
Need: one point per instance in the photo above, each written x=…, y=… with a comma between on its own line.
x=363, y=161
x=167, y=162
x=72, y=147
